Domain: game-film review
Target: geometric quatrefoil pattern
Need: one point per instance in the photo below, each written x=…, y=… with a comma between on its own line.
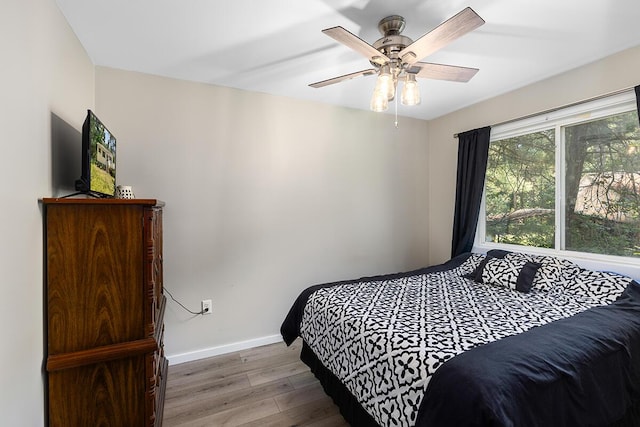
x=385, y=339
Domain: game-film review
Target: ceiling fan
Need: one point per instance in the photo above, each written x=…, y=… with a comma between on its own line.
x=396, y=57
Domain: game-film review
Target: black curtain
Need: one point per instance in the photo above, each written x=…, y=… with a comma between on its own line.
x=637, y=88
x=473, y=151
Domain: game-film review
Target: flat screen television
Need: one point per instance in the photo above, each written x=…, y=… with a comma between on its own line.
x=98, y=159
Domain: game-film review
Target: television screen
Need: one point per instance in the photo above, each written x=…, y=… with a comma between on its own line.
x=98, y=159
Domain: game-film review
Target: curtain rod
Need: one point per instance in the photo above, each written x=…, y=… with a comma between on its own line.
x=552, y=110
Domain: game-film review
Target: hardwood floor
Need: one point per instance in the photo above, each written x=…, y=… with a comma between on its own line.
x=264, y=386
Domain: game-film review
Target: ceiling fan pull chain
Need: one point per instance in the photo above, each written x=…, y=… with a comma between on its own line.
x=396, y=112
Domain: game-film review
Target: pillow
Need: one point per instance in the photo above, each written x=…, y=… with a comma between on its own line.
x=499, y=253
x=518, y=256
x=600, y=285
x=470, y=264
x=514, y=273
x=553, y=271
x=476, y=275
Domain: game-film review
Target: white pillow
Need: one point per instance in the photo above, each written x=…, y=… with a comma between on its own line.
x=553, y=271
x=602, y=286
x=515, y=273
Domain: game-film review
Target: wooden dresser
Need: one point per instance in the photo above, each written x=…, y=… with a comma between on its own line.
x=104, y=309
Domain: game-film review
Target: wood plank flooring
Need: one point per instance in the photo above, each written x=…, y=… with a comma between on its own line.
x=265, y=386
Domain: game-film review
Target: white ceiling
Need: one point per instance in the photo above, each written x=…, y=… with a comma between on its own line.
x=276, y=46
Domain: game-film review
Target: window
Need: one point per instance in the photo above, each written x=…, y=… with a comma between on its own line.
x=566, y=181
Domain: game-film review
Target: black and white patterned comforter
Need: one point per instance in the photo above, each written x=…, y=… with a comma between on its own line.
x=384, y=339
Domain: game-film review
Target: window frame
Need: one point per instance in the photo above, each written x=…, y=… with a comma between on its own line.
x=575, y=114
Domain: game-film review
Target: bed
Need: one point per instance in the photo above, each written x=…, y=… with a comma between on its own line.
x=502, y=339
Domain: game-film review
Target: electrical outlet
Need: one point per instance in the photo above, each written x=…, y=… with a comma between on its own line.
x=207, y=306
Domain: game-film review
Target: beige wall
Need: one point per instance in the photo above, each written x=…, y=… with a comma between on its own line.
x=613, y=73
x=46, y=83
x=264, y=197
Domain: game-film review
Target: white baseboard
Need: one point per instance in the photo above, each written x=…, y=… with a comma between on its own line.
x=176, y=359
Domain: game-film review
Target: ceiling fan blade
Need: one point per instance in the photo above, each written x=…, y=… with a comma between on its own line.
x=451, y=73
x=453, y=28
x=356, y=43
x=343, y=78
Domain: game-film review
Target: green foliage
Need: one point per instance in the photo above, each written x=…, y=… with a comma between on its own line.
x=521, y=175
x=598, y=235
x=98, y=134
x=536, y=231
x=101, y=180
x=601, y=184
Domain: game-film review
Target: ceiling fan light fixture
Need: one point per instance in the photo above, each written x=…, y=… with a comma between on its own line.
x=379, y=102
x=385, y=83
x=397, y=57
x=410, y=91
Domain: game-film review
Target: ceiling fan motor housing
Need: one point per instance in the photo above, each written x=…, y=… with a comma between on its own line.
x=392, y=45
x=392, y=42
x=391, y=25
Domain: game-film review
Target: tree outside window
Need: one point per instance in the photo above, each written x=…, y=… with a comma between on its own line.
x=602, y=186
x=520, y=190
x=598, y=184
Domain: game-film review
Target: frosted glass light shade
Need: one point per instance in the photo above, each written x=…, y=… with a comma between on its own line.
x=410, y=91
x=385, y=83
x=379, y=102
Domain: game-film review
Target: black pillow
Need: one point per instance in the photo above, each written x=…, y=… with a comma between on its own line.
x=525, y=278
x=498, y=253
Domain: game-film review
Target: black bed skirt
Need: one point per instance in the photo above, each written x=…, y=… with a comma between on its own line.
x=350, y=408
